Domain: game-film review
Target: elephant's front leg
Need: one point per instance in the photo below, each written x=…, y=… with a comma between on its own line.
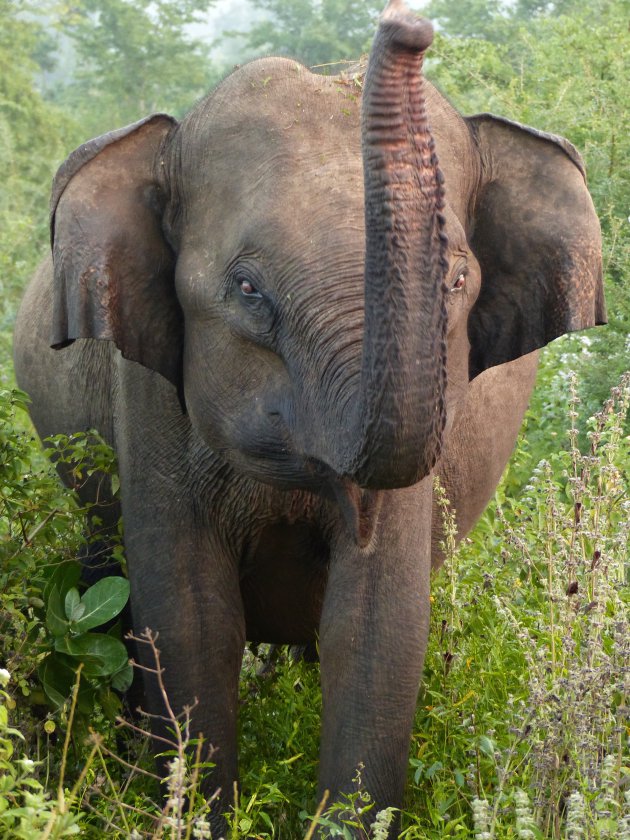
x=184, y=578
x=373, y=636
x=186, y=591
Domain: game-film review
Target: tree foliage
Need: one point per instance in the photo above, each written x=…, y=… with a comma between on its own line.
x=315, y=31
x=468, y=18
x=31, y=141
x=495, y=20
x=134, y=58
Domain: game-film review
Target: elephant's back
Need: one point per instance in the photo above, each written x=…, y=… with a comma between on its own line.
x=70, y=389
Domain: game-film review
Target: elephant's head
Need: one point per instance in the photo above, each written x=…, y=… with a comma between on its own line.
x=292, y=267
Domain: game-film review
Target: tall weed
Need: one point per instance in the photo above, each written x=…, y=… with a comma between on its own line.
x=525, y=705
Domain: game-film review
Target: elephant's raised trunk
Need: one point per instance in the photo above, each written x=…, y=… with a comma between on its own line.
x=401, y=413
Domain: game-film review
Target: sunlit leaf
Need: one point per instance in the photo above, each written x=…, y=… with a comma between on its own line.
x=102, y=602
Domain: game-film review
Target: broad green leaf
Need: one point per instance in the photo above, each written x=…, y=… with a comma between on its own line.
x=57, y=678
x=73, y=606
x=116, y=630
x=102, y=602
x=486, y=745
x=266, y=819
x=122, y=679
x=433, y=769
x=55, y=614
x=110, y=703
x=85, y=701
x=64, y=577
x=101, y=655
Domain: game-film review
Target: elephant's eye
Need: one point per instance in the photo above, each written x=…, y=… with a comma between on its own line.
x=460, y=281
x=248, y=289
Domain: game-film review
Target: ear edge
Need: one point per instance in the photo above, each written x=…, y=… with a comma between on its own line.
x=87, y=151
x=477, y=120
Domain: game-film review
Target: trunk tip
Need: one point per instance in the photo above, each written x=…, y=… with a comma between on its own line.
x=405, y=28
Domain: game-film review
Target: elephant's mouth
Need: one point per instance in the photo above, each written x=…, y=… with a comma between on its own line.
x=360, y=509
x=358, y=506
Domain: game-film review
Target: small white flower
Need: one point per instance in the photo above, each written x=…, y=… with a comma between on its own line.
x=201, y=829
x=5, y=676
x=624, y=822
x=524, y=817
x=26, y=763
x=382, y=823
x=481, y=819
x=576, y=816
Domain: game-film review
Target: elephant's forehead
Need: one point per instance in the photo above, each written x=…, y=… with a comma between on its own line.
x=274, y=116
x=274, y=129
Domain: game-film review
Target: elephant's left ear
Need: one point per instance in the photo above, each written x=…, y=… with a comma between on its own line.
x=537, y=239
x=113, y=267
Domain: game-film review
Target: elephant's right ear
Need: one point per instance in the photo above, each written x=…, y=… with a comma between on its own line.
x=536, y=236
x=114, y=270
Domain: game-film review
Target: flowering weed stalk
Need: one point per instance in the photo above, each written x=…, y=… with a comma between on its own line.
x=574, y=523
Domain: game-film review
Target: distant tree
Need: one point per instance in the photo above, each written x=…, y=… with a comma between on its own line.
x=315, y=31
x=468, y=18
x=495, y=20
x=32, y=133
x=134, y=57
x=24, y=116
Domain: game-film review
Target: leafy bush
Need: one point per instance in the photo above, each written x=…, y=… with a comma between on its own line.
x=70, y=617
x=559, y=72
x=26, y=811
x=46, y=623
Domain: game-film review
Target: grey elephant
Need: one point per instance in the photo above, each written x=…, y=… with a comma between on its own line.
x=305, y=317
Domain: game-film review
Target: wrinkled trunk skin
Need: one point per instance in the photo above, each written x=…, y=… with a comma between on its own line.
x=400, y=411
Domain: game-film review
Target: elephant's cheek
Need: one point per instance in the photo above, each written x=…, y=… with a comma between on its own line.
x=254, y=440
x=206, y=424
x=457, y=375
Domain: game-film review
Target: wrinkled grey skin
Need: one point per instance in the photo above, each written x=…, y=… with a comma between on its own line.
x=298, y=360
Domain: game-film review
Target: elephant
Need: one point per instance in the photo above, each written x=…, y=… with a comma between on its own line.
x=288, y=313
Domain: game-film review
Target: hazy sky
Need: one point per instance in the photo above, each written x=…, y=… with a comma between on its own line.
x=227, y=15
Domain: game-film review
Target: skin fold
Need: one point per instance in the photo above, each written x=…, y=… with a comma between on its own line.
x=286, y=314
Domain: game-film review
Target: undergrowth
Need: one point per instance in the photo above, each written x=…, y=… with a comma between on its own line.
x=522, y=720
x=524, y=708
